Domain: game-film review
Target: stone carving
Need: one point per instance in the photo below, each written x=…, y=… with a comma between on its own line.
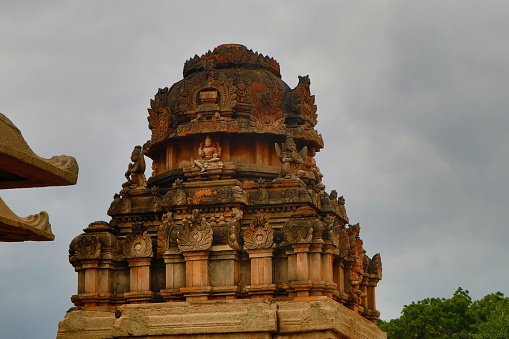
x=135, y=174
x=338, y=236
x=299, y=228
x=290, y=158
x=160, y=118
x=342, y=208
x=238, y=194
x=259, y=234
x=209, y=155
x=357, y=254
x=195, y=233
x=120, y=205
x=302, y=101
x=376, y=266
x=260, y=196
x=243, y=89
x=138, y=243
x=87, y=247
x=167, y=233
x=266, y=116
x=232, y=54
x=176, y=197
x=310, y=165
x=234, y=228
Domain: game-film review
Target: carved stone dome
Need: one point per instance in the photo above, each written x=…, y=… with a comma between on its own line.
x=230, y=93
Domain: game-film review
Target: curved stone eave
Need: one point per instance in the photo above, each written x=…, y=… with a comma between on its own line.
x=20, y=167
x=32, y=228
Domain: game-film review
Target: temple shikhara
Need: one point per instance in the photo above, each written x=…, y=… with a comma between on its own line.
x=234, y=234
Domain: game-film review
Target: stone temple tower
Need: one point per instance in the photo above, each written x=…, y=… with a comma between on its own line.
x=234, y=234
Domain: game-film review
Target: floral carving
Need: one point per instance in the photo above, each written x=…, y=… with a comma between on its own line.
x=160, y=118
x=234, y=228
x=303, y=102
x=259, y=234
x=175, y=197
x=87, y=247
x=195, y=233
x=266, y=116
x=138, y=243
x=300, y=228
x=167, y=233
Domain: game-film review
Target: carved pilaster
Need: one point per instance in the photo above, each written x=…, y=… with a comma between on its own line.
x=138, y=253
x=261, y=273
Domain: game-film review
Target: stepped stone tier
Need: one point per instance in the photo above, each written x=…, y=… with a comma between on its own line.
x=20, y=167
x=234, y=234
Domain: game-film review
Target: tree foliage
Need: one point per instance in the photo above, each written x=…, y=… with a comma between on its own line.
x=455, y=317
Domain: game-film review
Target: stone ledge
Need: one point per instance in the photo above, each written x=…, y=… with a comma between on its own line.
x=310, y=317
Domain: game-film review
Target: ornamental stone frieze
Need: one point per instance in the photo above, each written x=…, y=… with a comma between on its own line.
x=234, y=220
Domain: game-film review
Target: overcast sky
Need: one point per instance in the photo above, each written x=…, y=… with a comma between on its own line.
x=412, y=103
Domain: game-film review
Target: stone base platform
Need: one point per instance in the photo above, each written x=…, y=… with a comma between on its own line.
x=307, y=317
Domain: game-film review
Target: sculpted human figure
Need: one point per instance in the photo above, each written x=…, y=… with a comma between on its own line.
x=209, y=155
x=310, y=164
x=290, y=158
x=135, y=174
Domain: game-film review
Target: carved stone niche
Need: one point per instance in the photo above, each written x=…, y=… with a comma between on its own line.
x=95, y=256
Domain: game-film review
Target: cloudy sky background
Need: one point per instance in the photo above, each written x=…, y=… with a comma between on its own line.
x=412, y=101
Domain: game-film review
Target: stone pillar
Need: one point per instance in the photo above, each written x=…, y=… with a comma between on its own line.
x=261, y=273
x=328, y=271
x=195, y=237
x=138, y=253
x=225, y=272
x=175, y=274
x=197, y=276
x=93, y=255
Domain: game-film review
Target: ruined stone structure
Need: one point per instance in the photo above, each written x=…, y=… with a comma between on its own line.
x=20, y=167
x=233, y=235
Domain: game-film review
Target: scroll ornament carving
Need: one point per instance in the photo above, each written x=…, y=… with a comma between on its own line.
x=138, y=244
x=195, y=233
x=260, y=196
x=160, y=118
x=120, y=205
x=266, y=116
x=303, y=102
x=259, y=234
x=234, y=225
x=167, y=233
x=298, y=231
x=87, y=247
x=175, y=197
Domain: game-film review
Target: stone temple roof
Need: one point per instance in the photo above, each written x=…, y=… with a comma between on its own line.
x=20, y=167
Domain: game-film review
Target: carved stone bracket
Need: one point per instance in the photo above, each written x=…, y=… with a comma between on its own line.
x=138, y=244
x=259, y=234
x=195, y=233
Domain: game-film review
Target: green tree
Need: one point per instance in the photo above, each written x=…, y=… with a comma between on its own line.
x=455, y=317
x=431, y=318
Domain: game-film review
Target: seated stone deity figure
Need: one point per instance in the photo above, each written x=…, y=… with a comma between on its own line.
x=135, y=174
x=290, y=157
x=209, y=156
